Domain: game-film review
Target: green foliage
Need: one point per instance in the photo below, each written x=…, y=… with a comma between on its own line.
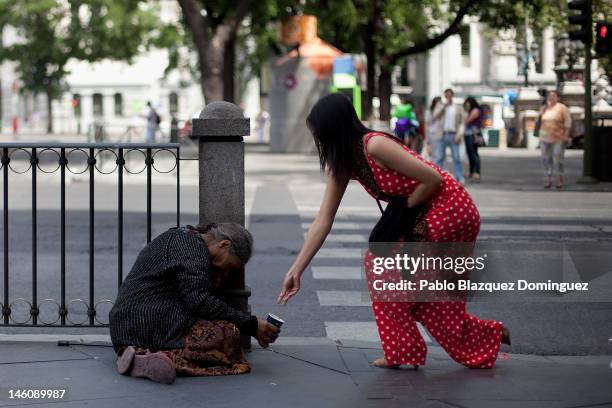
x=256, y=39
x=178, y=43
x=50, y=33
x=339, y=21
x=405, y=22
x=401, y=24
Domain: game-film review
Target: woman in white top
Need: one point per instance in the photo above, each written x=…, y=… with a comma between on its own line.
x=434, y=130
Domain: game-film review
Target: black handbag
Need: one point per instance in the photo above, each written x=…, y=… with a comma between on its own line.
x=538, y=125
x=479, y=140
x=396, y=222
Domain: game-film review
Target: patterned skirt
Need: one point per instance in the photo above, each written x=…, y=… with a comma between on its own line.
x=211, y=348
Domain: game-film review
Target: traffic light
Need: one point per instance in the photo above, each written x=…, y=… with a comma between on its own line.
x=603, y=38
x=583, y=20
x=76, y=104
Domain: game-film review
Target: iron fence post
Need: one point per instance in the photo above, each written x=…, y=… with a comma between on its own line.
x=63, y=151
x=6, y=311
x=220, y=129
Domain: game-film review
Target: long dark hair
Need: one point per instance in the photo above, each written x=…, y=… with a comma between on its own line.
x=335, y=127
x=434, y=102
x=470, y=101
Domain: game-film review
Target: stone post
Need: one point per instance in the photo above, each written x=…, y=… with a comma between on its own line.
x=220, y=130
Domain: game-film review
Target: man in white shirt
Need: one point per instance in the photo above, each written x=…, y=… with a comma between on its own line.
x=453, y=117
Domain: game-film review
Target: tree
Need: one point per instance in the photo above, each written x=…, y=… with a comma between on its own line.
x=51, y=33
x=394, y=29
x=387, y=31
x=258, y=38
x=408, y=29
x=237, y=38
x=213, y=26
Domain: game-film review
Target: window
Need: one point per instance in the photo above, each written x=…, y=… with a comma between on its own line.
x=173, y=103
x=118, y=104
x=464, y=35
x=98, y=109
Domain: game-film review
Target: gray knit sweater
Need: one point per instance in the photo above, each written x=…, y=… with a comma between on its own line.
x=167, y=290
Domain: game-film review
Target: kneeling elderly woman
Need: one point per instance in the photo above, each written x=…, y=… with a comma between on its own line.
x=167, y=319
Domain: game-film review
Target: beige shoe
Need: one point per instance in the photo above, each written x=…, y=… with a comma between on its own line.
x=155, y=366
x=382, y=363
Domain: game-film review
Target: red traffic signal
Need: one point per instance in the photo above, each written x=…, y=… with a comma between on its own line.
x=603, y=38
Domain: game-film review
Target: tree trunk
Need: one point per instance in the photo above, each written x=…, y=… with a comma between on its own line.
x=370, y=53
x=212, y=88
x=49, y=113
x=369, y=35
x=211, y=73
x=384, y=92
x=229, y=67
x=211, y=36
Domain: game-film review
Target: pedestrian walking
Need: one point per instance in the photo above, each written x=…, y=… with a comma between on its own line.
x=153, y=121
x=452, y=135
x=406, y=124
x=433, y=130
x=473, y=135
x=555, y=125
x=261, y=121
x=389, y=170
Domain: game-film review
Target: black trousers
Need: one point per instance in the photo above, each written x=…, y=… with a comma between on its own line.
x=472, y=153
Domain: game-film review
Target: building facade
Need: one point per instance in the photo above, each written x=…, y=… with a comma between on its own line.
x=111, y=93
x=481, y=63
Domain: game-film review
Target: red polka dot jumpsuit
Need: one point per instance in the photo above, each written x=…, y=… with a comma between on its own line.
x=451, y=217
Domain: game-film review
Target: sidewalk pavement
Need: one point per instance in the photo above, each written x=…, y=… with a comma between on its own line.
x=308, y=372
x=319, y=372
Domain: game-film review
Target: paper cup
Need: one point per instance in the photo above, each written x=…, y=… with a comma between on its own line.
x=275, y=320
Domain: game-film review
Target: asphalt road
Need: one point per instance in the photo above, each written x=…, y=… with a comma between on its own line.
x=283, y=193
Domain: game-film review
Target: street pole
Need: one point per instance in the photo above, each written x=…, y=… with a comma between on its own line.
x=587, y=160
x=527, y=56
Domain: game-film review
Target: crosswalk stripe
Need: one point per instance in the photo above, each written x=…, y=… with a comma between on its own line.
x=484, y=227
x=360, y=331
x=344, y=208
x=339, y=253
x=336, y=272
x=345, y=225
x=345, y=238
x=536, y=227
x=527, y=237
x=343, y=298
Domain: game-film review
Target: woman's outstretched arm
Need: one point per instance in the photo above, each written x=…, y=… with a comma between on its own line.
x=390, y=154
x=315, y=237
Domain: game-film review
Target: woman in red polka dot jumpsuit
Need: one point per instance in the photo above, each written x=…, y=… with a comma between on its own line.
x=451, y=217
